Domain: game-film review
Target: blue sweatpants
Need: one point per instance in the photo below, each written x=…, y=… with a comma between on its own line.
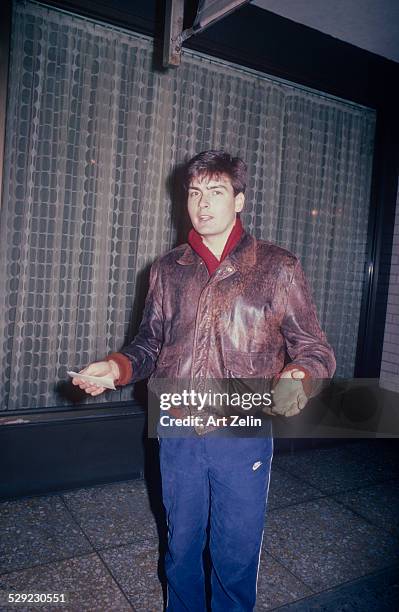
x=225, y=481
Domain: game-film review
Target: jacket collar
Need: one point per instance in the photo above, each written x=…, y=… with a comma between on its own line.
x=242, y=257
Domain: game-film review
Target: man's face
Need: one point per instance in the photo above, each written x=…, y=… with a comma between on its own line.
x=212, y=205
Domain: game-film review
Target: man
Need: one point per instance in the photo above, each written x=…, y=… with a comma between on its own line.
x=225, y=305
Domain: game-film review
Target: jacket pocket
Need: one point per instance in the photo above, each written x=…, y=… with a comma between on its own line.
x=239, y=364
x=248, y=375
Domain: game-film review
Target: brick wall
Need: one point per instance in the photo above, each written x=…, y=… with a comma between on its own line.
x=389, y=376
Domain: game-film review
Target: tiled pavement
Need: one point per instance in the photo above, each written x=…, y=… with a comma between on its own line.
x=331, y=540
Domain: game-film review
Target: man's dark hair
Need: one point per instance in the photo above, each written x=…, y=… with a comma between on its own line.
x=214, y=163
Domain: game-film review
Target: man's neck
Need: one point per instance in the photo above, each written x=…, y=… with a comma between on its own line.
x=216, y=244
x=212, y=258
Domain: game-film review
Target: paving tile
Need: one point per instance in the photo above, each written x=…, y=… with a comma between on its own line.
x=324, y=543
x=341, y=468
x=381, y=456
x=38, y=530
x=377, y=503
x=286, y=490
x=86, y=581
x=277, y=585
x=378, y=592
x=114, y=514
x=135, y=567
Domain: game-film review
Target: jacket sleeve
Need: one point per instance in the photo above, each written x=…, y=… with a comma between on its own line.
x=144, y=349
x=306, y=343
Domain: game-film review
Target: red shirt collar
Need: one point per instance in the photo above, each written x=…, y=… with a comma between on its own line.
x=212, y=262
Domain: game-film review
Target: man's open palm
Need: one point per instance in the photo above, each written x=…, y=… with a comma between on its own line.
x=99, y=368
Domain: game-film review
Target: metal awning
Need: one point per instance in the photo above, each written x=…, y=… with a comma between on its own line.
x=208, y=12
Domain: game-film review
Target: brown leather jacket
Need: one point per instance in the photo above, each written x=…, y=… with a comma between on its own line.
x=246, y=320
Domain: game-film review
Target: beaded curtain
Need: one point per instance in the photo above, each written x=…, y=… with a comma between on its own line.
x=94, y=131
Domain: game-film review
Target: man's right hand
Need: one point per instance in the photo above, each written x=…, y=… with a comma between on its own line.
x=99, y=368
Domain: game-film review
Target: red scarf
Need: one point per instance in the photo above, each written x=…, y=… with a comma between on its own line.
x=212, y=262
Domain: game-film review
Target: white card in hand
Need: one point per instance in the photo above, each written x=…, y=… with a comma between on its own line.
x=101, y=381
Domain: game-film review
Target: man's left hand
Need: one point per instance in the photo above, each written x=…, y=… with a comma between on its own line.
x=289, y=397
